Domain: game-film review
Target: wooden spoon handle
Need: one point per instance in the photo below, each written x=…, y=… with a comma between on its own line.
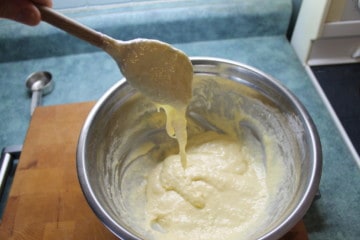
x=70, y=26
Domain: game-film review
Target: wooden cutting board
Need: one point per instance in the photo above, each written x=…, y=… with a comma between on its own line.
x=45, y=201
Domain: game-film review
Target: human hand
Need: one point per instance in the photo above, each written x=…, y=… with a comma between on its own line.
x=23, y=11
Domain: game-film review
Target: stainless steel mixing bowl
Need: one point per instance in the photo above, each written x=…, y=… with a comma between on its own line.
x=123, y=120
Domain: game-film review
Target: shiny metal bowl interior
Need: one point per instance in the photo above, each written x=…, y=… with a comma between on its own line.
x=123, y=119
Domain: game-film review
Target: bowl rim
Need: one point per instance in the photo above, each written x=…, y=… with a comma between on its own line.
x=299, y=211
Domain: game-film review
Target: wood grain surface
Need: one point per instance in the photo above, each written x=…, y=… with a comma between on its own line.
x=45, y=200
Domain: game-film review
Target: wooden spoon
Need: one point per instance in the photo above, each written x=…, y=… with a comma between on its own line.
x=156, y=69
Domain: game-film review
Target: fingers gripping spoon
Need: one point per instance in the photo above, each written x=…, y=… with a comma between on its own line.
x=158, y=70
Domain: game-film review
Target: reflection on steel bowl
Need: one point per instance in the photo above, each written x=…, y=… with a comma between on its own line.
x=124, y=139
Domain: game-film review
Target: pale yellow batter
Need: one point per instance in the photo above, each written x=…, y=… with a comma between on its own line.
x=176, y=127
x=216, y=188
x=220, y=195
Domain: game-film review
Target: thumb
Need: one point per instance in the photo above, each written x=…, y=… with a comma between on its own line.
x=22, y=11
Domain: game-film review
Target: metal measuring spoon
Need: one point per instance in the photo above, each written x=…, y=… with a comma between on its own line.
x=39, y=84
x=159, y=71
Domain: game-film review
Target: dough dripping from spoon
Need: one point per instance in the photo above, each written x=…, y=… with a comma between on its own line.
x=163, y=74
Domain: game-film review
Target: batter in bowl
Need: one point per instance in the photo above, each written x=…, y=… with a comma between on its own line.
x=221, y=194
x=224, y=192
x=219, y=188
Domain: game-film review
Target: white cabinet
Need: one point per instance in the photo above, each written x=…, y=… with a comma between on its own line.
x=328, y=32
